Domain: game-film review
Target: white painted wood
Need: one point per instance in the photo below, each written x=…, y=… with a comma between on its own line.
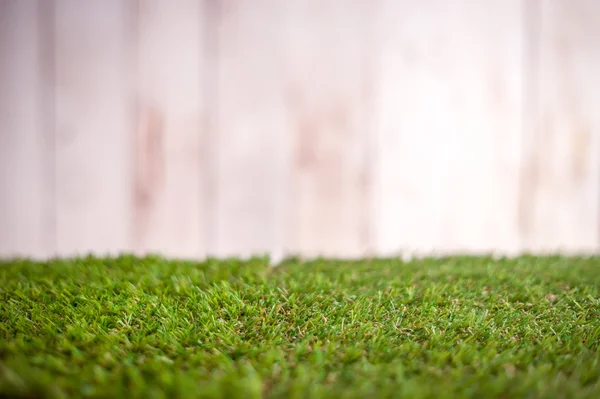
x=566, y=156
x=317, y=127
x=26, y=178
x=94, y=121
x=448, y=122
x=327, y=81
x=251, y=129
x=170, y=200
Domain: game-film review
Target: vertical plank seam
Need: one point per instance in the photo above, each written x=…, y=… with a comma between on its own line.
x=210, y=104
x=133, y=58
x=528, y=170
x=367, y=230
x=47, y=38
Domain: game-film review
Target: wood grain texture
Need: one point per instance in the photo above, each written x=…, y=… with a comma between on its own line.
x=26, y=147
x=565, y=144
x=448, y=122
x=327, y=85
x=169, y=201
x=251, y=128
x=313, y=127
x=94, y=122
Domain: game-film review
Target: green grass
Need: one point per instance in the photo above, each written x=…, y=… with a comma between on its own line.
x=151, y=328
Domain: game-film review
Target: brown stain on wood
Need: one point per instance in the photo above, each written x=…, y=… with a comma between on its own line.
x=320, y=134
x=325, y=140
x=149, y=166
x=305, y=154
x=149, y=148
x=580, y=144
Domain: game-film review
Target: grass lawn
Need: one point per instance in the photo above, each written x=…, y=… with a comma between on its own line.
x=151, y=328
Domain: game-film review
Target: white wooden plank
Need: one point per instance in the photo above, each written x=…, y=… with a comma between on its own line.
x=250, y=127
x=26, y=178
x=448, y=121
x=327, y=92
x=170, y=197
x=94, y=111
x=566, y=155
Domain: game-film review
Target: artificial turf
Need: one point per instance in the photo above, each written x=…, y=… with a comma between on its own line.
x=151, y=328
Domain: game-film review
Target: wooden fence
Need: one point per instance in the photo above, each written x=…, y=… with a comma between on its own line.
x=332, y=127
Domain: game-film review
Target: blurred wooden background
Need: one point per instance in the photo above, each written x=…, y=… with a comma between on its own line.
x=313, y=127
